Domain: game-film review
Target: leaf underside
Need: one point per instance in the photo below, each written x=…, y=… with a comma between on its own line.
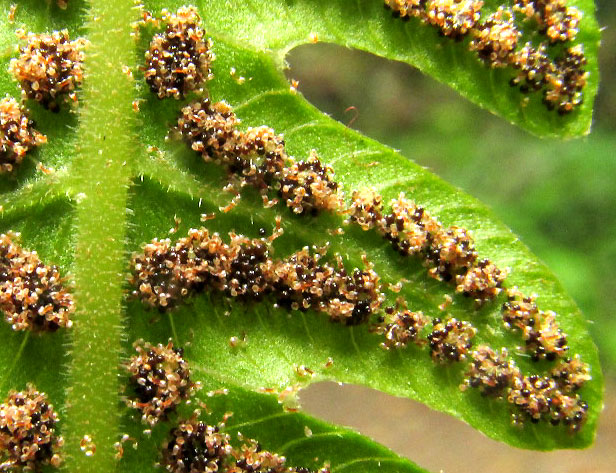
x=253, y=37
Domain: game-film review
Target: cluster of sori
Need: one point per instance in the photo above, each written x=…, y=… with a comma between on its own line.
x=449, y=252
x=28, y=438
x=178, y=60
x=450, y=339
x=167, y=272
x=32, y=295
x=540, y=329
x=552, y=397
x=257, y=157
x=401, y=327
x=49, y=67
x=194, y=447
x=160, y=379
x=17, y=134
x=496, y=42
x=554, y=18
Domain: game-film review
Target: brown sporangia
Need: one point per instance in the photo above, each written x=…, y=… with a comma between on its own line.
x=28, y=437
x=178, y=60
x=166, y=273
x=308, y=187
x=210, y=129
x=554, y=18
x=402, y=327
x=407, y=8
x=32, y=294
x=302, y=281
x=251, y=457
x=537, y=397
x=571, y=374
x=454, y=18
x=160, y=380
x=196, y=447
x=495, y=39
x=17, y=134
x=449, y=253
x=482, y=282
x=533, y=397
x=49, y=66
x=257, y=157
x=366, y=209
x=540, y=330
x=491, y=372
x=450, y=340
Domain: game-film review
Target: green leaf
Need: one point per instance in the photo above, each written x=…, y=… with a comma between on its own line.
x=105, y=193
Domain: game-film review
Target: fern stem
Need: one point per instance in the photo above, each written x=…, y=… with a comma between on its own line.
x=101, y=178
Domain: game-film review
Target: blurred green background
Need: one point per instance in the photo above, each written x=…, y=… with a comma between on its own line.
x=559, y=197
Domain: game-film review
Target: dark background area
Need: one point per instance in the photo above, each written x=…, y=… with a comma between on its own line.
x=558, y=196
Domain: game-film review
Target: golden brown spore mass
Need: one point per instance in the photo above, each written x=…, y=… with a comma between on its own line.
x=262, y=158
x=496, y=38
x=303, y=282
x=540, y=329
x=454, y=18
x=366, y=208
x=28, y=438
x=49, y=67
x=17, y=134
x=407, y=8
x=571, y=374
x=402, y=327
x=178, y=61
x=210, y=130
x=308, y=187
x=534, y=397
x=166, y=273
x=491, y=372
x=195, y=447
x=32, y=295
x=410, y=228
x=252, y=458
x=554, y=18
x=566, y=82
x=562, y=81
x=257, y=157
x=482, y=282
x=160, y=379
x=450, y=340
x=451, y=252
x=538, y=397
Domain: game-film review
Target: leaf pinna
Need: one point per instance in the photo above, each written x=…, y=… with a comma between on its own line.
x=220, y=209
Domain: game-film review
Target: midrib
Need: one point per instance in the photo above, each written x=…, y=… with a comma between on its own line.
x=101, y=175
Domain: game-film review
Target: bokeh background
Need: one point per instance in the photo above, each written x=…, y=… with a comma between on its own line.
x=559, y=197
